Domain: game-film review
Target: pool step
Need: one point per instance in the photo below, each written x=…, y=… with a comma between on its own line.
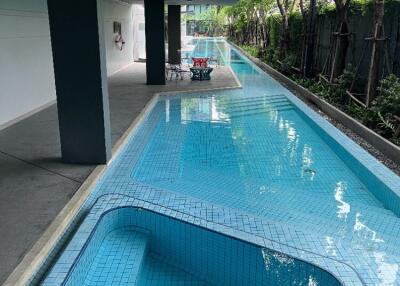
x=158, y=271
x=232, y=108
x=310, y=204
x=323, y=219
x=254, y=102
x=258, y=110
x=252, y=105
x=257, y=113
x=359, y=199
x=119, y=259
x=252, y=99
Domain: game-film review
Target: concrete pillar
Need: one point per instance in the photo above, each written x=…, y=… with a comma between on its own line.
x=155, y=46
x=77, y=41
x=174, y=34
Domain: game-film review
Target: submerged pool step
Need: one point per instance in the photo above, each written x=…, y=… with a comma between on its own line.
x=244, y=108
x=281, y=191
x=118, y=260
x=262, y=109
x=253, y=99
x=123, y=257
x=364, y=230
x=327, y=219
x=369, y=231
x=251, y=104
x=256, y=113
x=159, y=271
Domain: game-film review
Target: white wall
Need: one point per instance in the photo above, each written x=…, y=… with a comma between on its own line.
x=26, y=65
x=139, y=39
x=120, y=12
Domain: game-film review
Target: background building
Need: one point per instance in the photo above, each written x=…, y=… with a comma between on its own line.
x=195, y=22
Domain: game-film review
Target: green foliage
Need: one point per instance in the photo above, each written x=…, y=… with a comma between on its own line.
x=241, y=18
x=288, y=63
x=355, y=111
x=271, y=56
x=323, y=89
x=327, y=8
x=347, y=77
x=274, y=27
x=387, y=104
x=214, y=18
x=344, y=82
x=296, y=32
x=365, y=116
x=252, y=50
x=361, y=6
x=333, y=93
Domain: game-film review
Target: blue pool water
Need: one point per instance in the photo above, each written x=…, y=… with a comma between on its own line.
x=258, y=160
x=252, y=149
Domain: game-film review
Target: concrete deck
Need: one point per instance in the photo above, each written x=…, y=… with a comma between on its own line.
x=35, y=184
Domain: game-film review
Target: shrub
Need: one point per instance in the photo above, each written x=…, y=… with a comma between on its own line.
x=287, y=63
x=252, y=50
x=387, y=104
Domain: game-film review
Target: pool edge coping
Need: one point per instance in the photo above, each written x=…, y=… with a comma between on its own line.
x=34, y=259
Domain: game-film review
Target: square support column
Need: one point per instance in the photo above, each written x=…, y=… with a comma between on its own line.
x=155, y=45
x=77, y=41
x=174, y=34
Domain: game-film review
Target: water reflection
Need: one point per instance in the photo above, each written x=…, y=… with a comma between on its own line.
x=343, y=207
x=203, y=109
x=287, y=271
x=369, y=240
x=387, y=272
x=250, y=149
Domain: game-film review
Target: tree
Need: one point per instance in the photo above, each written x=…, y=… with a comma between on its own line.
x=214, y=19
x=262, y=7
x=309, y=21
x=283, y=6
x=342, y=39
x=377, y=40
x=247, y=21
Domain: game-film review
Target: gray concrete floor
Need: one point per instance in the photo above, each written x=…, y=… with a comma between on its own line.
x=35, y=184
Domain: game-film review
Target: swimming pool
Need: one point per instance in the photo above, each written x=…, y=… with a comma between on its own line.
x=261, y=157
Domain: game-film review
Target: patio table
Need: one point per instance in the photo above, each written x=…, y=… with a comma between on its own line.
x=201, y=73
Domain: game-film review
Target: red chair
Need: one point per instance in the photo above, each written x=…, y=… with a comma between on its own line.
x=200, y=62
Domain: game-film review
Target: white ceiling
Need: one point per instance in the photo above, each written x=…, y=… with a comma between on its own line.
x=186, y=2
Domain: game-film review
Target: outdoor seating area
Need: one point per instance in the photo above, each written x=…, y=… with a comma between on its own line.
x=197, y=68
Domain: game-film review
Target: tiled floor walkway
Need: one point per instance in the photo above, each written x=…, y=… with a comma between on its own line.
x=34, y=183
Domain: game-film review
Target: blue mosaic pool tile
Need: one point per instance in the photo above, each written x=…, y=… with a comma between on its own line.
x=192, y=249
